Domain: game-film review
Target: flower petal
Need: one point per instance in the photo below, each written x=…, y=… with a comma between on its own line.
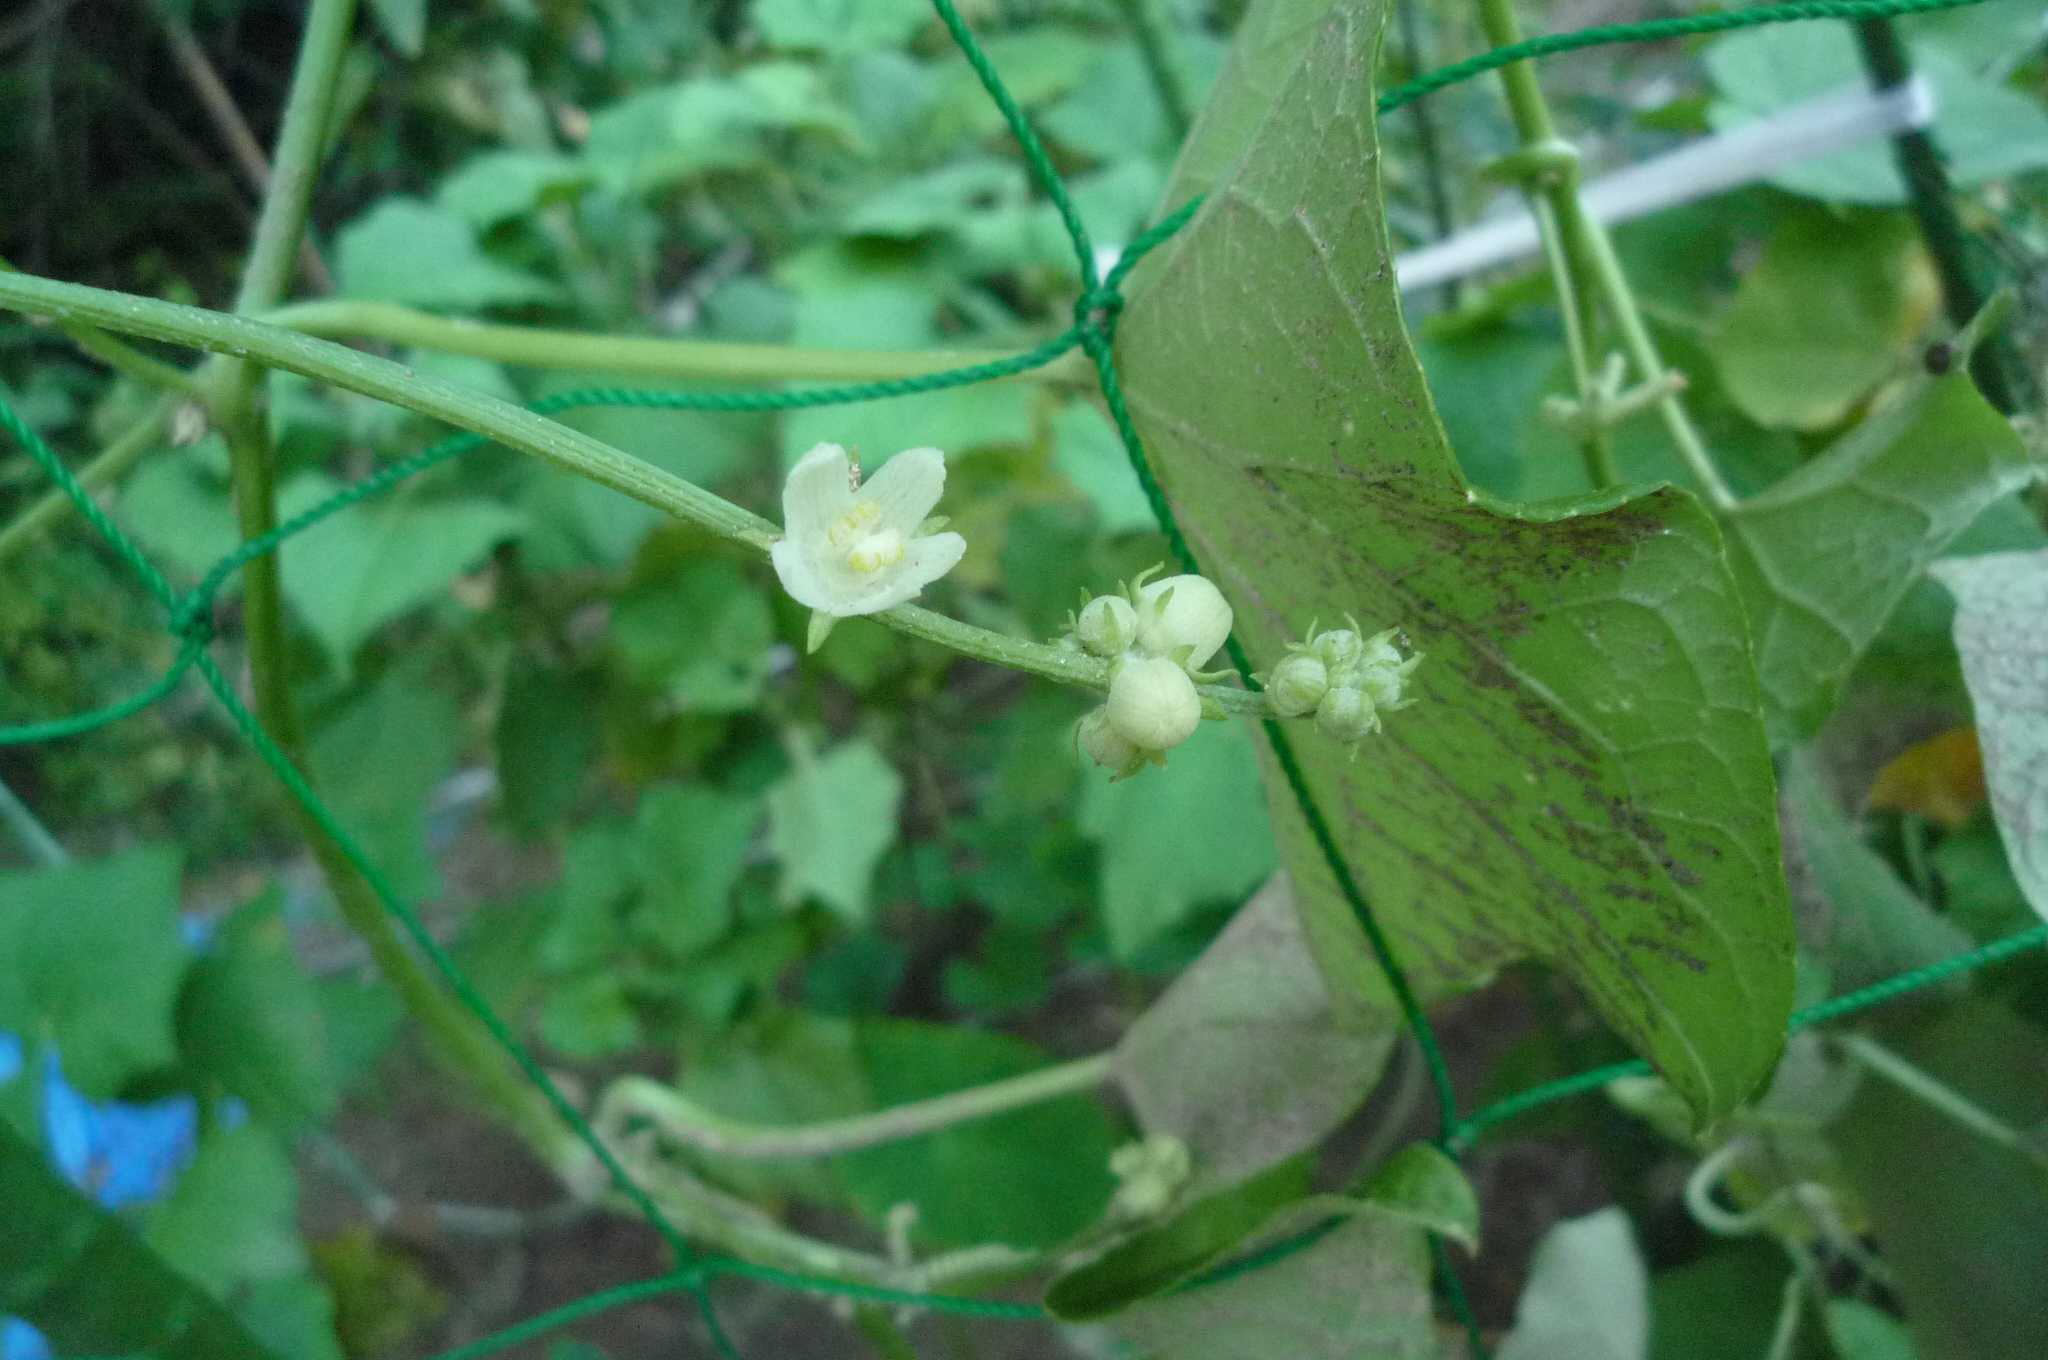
x=907, y=488
x=924, y=560
x=819, y=489
x=800, y=577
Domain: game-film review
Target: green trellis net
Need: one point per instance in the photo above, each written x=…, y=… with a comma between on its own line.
x=189, y=617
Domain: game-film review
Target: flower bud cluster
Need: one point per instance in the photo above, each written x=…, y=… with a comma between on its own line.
x=1150, y=1174
x=1346, y=680
x=1157, y=637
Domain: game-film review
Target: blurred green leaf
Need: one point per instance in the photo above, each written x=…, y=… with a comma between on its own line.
x=657, y=138
x=1050, y=1160
x=1174, y=841
x=80, y=1273
x=699, y=636
x=1824, y=316
x=829, y=821
x=378, y=761
x=1155, y=1258
x=1088, y=453
x=690, y=844
x=1588, y=1296
x=1584, y=756
x=404, y=250
x=1038, y=64
x=1978, y=887
x=1963, y=1224
x=230, y=1218
x=249, y=1018
x=90, y=959
x=294, y=1316
x=2002, y=600
x=1243, y=1059
x=1824, y=556
x=840, y=26
x=547, y=737
x=1422, y=1185
x=598, y=876
x=1861, y=1332
x=855, y=975
x=1875, y=926
x=1985, y=130
x=1723, y=1304
x=938, y=199
x=404, y=22
x=1359, y=1288
x=590, y=1017
x=497, y=186
x=365, y=567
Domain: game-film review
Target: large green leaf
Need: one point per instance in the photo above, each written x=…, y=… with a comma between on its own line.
x=1244, y=1059
x=90, y=960
x=1826, y=555
x=2001, y=602
x=1361, y=1288
x=1585, y=777
x=81, y=1275
x=1588, y=1296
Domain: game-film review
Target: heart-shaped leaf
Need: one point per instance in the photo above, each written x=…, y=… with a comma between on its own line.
x=1585, y=776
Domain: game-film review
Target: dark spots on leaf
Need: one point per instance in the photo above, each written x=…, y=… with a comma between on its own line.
x=1664, y=948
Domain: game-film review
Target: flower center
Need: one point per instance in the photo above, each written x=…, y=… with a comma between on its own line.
x=853, y=526
x=874, y=551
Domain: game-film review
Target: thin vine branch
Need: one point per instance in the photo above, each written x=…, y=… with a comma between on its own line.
x=632, y=1100
x=523, y=431
x=642, y=356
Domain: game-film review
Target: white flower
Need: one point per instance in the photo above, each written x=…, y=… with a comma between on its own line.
x=1153, y=704
x=850, y=548
x=1183, y=611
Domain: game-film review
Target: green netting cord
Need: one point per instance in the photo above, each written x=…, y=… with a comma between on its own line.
x=1095, y=315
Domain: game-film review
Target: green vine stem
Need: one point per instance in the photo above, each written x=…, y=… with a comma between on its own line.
x=1591, y=253
x=635, y=1100
x=1923, y=1086
x=641, y=356
x=230, y=394
x=127, y=449
x=124, y=359
x=525, y=432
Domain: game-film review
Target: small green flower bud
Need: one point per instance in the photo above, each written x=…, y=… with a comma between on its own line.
x=1152, y=703
x=1106, y=748
x=1183, y=611
x=1108, y=625
x=1341, y=651
x=1297, y=685
x=1383, y=672
x=1150, y=1173
x=1345, y=714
